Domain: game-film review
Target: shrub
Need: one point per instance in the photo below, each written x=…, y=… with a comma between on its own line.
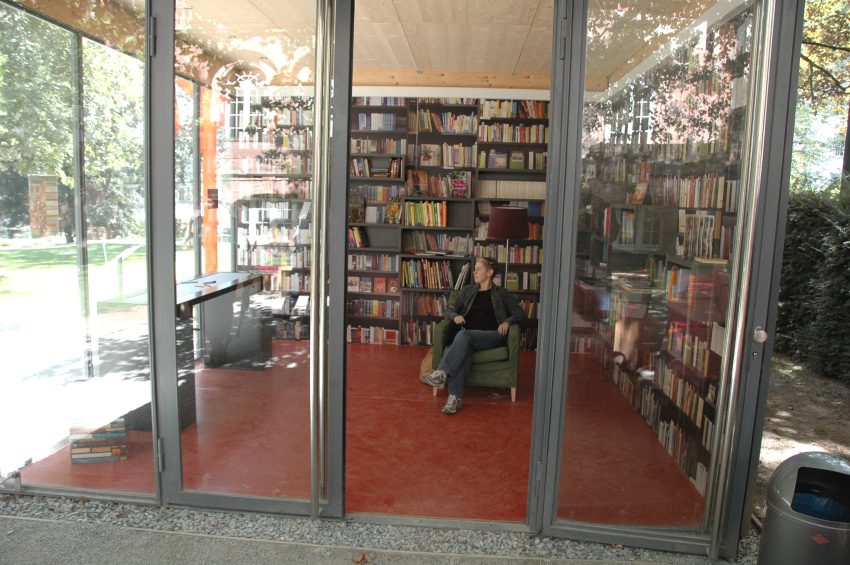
x=814, y=296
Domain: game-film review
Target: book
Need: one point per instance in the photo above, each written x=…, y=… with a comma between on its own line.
x=517, y=160
x=356, y=211
x=430, y=155
x=365, y=284
x=497, y=160
x=379, y=284
x=302, y=305
x=417, y=182
x=392, y=285
x=461, y=181
x=512, y=281
x=353, y=284
x=393, y=215
x=461, y=279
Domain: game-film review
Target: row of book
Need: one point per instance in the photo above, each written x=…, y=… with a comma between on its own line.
x=379, y=101
x=531, y=307
x=386, y=146
x=377, y=121
x=357, y=237
x=425, y=213
x=525, y=254
x=681, y=392
x=536, y=109
x=673, y=437
x=273, y=257
x=510, y=133
x=708, y=191
x=275, y=138
x=97, y=445
x=296, y=114
x=528, y=339
x=365, y=167
x=458, y=155
x=381, y=193
x=378, y=285
x=273, y=164
x=689, y=347
x=387, y=262
x=446, y=122
x=511, y=189
x=427, y=274
x=436, y=243
x=375, y=335
x=455, y=184
x=373, y=308
x=425, y=304
x=293, y=329
x=418, y=332
x=294, y=281
x=535, y=230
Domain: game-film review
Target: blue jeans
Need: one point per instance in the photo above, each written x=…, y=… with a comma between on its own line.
x=457, y=360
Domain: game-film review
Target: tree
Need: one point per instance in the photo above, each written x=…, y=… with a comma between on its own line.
x=36, y=108
x=825, y=66
x=114, y=134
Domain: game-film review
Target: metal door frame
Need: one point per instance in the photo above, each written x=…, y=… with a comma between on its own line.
x=773, y=98
x=333, y=57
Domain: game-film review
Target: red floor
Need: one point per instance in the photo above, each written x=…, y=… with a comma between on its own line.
x=403, y=456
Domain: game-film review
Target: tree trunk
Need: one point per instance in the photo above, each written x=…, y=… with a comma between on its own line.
x=845, y=168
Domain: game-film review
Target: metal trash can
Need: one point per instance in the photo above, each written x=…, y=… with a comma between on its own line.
x=807, y=521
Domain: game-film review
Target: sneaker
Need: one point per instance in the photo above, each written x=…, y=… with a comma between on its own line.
x=436, y=379
x=453, y=404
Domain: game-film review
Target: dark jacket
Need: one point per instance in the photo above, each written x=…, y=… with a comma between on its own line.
x=505, y=305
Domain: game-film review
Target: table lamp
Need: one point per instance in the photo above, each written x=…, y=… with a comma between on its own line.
x=508, y=222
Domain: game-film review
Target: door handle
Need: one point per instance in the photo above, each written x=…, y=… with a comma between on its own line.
x=759, y=335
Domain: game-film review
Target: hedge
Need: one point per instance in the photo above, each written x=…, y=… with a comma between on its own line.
x=813, y=324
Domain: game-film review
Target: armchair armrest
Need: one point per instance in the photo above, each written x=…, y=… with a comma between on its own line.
x=513, y=343
x=441, y=332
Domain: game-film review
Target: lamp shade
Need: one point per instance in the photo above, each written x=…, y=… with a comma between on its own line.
x=508, y=222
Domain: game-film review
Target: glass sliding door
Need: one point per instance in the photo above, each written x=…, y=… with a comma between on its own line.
x=663, y=165
x=237, y=422
x=429, y=162
x=74, y=277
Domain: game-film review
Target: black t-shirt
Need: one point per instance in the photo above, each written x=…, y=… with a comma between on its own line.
x=482, y=316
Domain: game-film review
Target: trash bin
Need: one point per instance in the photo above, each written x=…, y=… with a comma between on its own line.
x=807, y=521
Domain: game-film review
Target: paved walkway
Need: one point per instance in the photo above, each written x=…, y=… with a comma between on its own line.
x=25, y=541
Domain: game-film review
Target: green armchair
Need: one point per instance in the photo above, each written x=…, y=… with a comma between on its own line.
x=494, y=367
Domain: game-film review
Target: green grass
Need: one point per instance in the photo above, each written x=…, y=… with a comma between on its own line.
x=51, y=271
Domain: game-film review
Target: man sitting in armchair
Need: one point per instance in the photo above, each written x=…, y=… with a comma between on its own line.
x=484, y=313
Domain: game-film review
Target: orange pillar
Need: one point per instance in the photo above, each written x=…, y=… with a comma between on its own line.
x=209, y=190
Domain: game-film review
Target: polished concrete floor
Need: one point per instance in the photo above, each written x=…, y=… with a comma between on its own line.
x=403, y=456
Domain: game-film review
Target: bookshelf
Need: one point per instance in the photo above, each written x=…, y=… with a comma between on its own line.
x=433, y=233
x=376, y=187
x=270, y=144
x=272, y=235
x=660, y=211
x=513, y=138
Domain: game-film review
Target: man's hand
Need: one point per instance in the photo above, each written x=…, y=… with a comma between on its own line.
x=503, y=328
x=459, y=320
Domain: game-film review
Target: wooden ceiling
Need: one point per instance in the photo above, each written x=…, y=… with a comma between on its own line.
x=410, y=43
x=438, y=43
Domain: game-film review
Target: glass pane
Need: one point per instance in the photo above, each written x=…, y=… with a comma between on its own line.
x=428, y=167
x=663, y=136
x=243, y=215
x=75, y=324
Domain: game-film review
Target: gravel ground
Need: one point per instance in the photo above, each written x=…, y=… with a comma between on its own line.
x=343, y=533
